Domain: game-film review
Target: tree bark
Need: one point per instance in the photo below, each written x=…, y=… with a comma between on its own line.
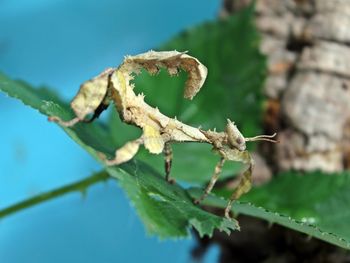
x=308, y=86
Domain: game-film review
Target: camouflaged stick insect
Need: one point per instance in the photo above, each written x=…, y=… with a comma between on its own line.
x=159, y=131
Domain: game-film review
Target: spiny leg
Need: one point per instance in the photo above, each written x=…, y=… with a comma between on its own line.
x=243, y=187
x=214, y=178
x=168, y=158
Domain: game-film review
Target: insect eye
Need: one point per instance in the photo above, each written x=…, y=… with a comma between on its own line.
x=239, y=141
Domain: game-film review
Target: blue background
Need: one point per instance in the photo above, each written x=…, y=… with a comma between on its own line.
x=61, y=43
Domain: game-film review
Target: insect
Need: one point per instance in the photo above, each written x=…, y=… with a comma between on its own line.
x=159, y=131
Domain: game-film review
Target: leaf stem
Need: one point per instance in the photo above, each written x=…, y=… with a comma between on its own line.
x=81, y=185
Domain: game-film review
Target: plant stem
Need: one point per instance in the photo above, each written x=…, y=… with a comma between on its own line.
x=81, y=186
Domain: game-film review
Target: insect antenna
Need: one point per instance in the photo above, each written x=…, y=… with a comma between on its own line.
x=262, y=138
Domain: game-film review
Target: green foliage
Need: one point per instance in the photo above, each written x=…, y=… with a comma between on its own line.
x=314, y=204
x=311, y=229
x=315, y=198
x=166, y=210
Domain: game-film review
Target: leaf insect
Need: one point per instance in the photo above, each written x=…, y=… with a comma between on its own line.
x=159, y=131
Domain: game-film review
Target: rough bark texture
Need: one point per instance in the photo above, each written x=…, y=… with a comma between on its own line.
x=308, y=86
x=308, y=95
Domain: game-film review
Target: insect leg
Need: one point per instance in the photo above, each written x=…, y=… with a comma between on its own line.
x=61, y=122
x=212, y=182
x=97, y=112
x=123, y=154
x=168, y=157
x=103, y=106
x=243, y=187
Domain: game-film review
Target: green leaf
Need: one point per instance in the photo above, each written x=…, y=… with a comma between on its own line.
x=166, y=210
x=317, y=200
x=313, y=230
x=315, y=204
x=236, y=70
